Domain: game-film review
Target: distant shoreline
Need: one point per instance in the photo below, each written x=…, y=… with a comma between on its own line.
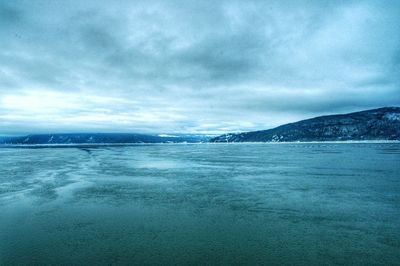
x=93, y=145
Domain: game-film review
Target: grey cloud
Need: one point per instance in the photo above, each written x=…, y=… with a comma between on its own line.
x=9, y=15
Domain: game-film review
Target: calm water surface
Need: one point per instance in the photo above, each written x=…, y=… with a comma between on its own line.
x=202, y=204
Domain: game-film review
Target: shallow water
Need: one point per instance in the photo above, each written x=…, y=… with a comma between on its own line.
x=214, y=204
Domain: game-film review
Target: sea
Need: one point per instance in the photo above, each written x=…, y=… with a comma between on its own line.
x=201, y=204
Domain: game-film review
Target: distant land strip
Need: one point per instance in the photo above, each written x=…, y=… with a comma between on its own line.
x=382, y=124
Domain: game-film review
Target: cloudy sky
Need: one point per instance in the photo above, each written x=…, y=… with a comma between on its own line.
x=192, y=66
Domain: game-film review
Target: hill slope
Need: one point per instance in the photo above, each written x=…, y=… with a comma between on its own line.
x=376, y=124
x=100, y=138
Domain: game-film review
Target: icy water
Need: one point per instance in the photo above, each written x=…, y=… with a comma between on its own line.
x=201, y=204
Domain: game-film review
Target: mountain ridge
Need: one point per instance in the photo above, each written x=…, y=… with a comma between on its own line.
x=374, y=124
x=101, y=138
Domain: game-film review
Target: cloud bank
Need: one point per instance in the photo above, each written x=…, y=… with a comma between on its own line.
x=192, y=66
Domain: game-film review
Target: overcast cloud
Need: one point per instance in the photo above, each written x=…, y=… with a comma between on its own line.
x=192, y=66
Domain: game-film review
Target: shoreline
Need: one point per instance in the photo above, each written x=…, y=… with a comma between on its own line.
x=92, y=145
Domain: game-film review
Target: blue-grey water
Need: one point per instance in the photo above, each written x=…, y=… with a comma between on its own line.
x=201, y=204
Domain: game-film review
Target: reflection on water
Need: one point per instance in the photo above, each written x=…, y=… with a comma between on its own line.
x=191, y=204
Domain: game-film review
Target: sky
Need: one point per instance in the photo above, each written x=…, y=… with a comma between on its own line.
x=205, y=67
